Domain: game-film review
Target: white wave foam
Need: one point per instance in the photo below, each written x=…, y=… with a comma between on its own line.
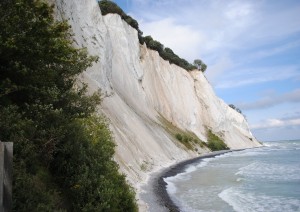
x=171, y=188
x=239, y=179
x=268, y=144
x=185, y=175
x=259, y=170
x=248, y=201
x=243, y=153
x=282, y=145
x=196, y=199
x=204, y=162
x=190, y=168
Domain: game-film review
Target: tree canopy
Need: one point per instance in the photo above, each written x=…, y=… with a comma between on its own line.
x=108, y=6
x=62, y=150
x=200, y=65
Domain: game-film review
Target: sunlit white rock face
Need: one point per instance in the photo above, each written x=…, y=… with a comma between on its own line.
x=139, y=87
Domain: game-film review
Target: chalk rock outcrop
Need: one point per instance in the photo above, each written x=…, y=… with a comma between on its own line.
x=141, y=89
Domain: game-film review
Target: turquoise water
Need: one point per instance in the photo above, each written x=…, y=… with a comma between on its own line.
x=261, y=179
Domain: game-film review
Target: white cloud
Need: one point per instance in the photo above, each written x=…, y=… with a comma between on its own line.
x=276, y=123
x=272, y=99
x=257, y=75
x=272, y=124
x=217, y=23
x=217, y=69
x=214, y=30
x=177, y=37
x=277, y=21
x=226, y=23
x=273, y=50
x=236, y=10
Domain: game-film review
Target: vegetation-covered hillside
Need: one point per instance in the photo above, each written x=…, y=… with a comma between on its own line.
x=62, y=150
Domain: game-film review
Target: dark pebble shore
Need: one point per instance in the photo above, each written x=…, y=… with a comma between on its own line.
x=160, y=186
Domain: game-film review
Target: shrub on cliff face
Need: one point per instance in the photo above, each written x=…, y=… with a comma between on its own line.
x=107, y=7
x=235, y=108
x=153, y=44
x=214, y=142
x=200, y=65
x=167, y=53
x=62, y=152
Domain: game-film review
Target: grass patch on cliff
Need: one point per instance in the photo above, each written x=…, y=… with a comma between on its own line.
x=190, y=140
x=187, y=138
x=214, y=142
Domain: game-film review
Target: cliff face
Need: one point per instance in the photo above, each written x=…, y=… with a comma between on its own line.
x=141, y=89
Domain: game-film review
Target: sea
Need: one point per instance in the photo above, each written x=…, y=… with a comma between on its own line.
x=260, y=179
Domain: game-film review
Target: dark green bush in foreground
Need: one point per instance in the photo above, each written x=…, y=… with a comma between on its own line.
x=84, y=166
x=62, y=151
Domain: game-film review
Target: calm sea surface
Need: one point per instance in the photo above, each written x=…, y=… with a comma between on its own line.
x=262, y=179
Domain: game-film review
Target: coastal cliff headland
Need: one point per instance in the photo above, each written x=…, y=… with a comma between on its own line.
x=145, y=98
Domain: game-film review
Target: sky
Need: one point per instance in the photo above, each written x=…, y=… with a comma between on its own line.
x=251, y=48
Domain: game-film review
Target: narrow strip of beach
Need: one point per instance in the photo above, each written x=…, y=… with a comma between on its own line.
x=155, y=193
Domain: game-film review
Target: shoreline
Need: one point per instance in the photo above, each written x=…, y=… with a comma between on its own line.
x=229, y=200
x=156, y=195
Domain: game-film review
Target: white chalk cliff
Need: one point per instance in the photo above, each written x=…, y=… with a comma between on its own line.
x=140, y=87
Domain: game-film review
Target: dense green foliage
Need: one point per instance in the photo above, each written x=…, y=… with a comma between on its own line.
x=62, y=151
x=189, y=140
x=214, y=142
x=84, y=165
x=168, y=54
x=107, y=7
x=200, y=65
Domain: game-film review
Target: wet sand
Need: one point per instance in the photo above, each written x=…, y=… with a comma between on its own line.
x=155, y=192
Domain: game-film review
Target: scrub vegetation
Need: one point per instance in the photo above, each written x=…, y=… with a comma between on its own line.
x=187, y=138
x=235, y=108
x=214, y=142
x=166, y=53
x=63, y=151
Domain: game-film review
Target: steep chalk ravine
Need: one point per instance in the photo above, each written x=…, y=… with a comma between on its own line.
x=140, y=89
